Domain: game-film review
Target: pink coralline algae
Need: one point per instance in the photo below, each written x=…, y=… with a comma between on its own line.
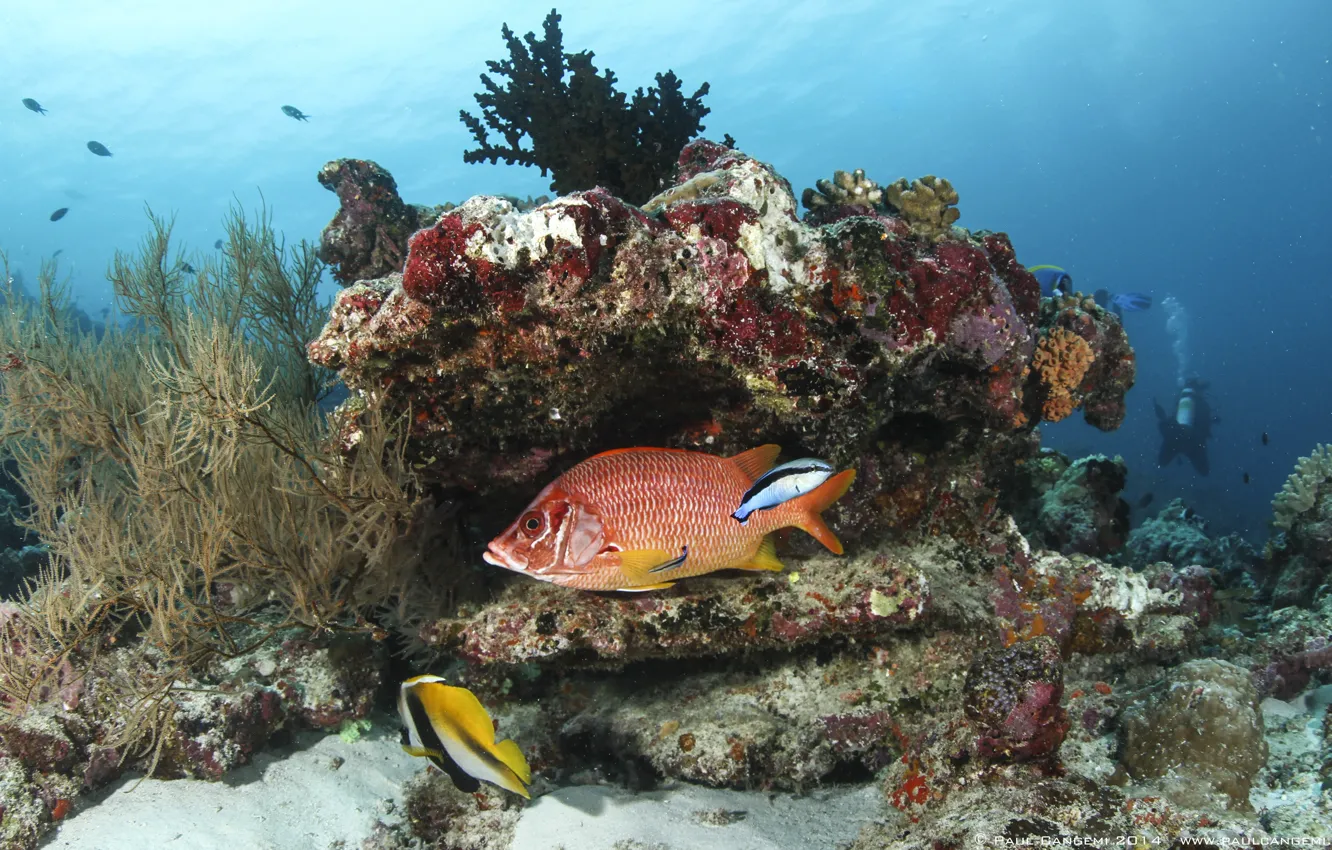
x=718, y=321
x=368, y=236
x=1013, y=699
x=528, y=622
x=1090, y=607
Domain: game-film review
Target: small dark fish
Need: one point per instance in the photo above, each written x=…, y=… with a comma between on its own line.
x=187, y=268
x=104, y=312
x=1264, y=438
x=34, y=106
x=1146, y=500
x=295, y=113
x=59, y=214
x=98, y=148
x=1246, y=478
x=218, y=244
x=57, y=253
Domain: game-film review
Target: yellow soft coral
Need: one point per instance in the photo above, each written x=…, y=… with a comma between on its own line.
x=1062, y=360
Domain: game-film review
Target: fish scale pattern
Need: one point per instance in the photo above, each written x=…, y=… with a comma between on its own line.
x=646, y=498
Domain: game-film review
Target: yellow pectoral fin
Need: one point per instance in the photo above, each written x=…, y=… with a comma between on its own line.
x=421, y=752
x=643, y=569
x=765, y=558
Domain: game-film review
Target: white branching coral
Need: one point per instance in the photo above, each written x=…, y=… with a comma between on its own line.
x=1300, y=492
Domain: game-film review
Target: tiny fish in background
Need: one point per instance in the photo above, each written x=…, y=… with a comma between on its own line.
x=99, y=149
x=218, y=244
x=59, y=214
x=34, y=106
x=639, y=519
x=295, y=113
x=1264, y=438
x=1246, y=478
x=449, y=726
x=57, y=253
x=1146, y=499
x=187, y=268
x=783, y=483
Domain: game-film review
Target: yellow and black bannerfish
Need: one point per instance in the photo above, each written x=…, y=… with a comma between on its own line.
x=449, y=726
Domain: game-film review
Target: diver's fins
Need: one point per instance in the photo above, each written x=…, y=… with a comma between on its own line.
x=1197, y=455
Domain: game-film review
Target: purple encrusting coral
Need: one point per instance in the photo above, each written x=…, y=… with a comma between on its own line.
x=992, y=333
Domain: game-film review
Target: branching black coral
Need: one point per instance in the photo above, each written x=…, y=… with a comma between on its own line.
x=580, y=129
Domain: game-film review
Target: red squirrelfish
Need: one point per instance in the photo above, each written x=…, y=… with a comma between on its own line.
x=639, y=519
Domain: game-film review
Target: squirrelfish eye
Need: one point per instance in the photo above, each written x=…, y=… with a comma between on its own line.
x=532, y=523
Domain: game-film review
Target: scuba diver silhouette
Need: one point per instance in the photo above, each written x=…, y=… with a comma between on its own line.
x=1187, y=432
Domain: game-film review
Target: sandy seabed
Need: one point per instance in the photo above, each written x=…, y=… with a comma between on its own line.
x=325, y=792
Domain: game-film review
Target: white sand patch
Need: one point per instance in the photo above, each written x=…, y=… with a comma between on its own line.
x=592, y=817
x=287, y=799
x=293, y=799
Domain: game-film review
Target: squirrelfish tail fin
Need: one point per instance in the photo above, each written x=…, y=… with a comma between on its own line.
x=757, y=461
x=807, y=509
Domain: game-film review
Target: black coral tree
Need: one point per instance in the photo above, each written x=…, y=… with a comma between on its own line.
x=578, y=127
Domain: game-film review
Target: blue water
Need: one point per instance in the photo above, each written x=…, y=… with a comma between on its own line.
x=1176, y=148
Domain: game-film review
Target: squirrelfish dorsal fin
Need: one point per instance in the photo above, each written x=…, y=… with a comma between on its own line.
x=757, y=461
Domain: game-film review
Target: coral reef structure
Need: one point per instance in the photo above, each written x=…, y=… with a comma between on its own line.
x=1179, y=535
x=368, y=236
x=1303, y=487
x=1198, y=733
x=845, y=189
x=520, y=340
x=973, y=656
x=1082, y=511
x=1062, y=360
x=1298, y=558
x=1013, y=696
x=929, y=205
x=578, y=128
x=1095, y=377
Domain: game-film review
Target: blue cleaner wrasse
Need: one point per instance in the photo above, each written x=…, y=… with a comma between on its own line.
x=449, y=726
x=783, y=483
